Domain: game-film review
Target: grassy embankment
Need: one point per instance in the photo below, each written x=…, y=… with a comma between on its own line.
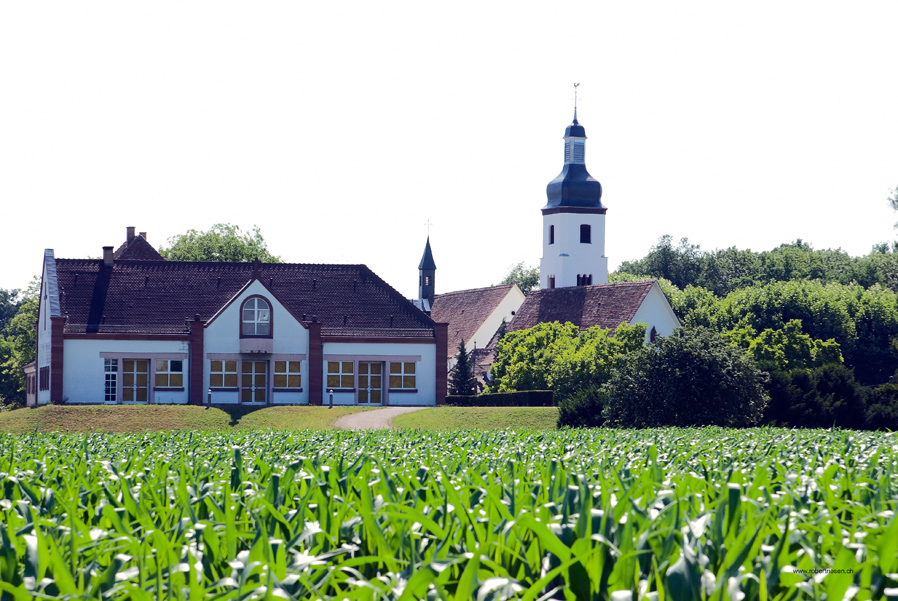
x=142, y=418
x=481, y=418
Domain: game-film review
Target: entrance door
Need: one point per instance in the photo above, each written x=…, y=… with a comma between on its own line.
x=135, y=380
x=371, y=383
x=254, y=382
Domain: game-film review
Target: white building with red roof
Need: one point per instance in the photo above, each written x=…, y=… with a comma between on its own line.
x=134, y=328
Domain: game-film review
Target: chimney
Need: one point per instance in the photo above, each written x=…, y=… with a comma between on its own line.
x=107, y=256
x=130, y=234
x=143, y=235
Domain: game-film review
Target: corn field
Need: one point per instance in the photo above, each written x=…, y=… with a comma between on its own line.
x=621, y=515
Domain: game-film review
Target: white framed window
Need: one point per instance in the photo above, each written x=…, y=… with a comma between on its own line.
x=223, y=374
x=402, y=375
x=110, y=385
x=288, y=374
x=169, y=373
x=340, y=374
x=135, y=380
x=255, y=317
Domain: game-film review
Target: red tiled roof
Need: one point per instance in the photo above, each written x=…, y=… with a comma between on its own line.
x=466, y=310
x=607, y=305
x=138, y=249
x=158, y=296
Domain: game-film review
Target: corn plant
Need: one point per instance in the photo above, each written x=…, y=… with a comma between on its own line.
x=673, y=514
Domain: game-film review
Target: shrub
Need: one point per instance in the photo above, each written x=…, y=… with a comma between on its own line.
x=582, y=409
x=691, y=378
x=882, y=409
x=823, y=397
x=523, y=398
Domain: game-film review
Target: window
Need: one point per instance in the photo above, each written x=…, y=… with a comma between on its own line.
x=223, y=374
x=110, y=371
x=567, y=151
x=551, y=281
x=135, y=380
x=287, y=374
x=585, y=233
x=256, y=318
x=44, y=378
x=340, y=374
x=402, y=375
x=579, y=151
x=551, y=234
x=371, y=381
x=253, y=381
x=427, y=280
x=169, y=373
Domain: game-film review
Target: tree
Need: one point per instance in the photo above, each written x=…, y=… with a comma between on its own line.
x=17, y=342
x=524, y=357
x=461, y=378
x=785, y=348
x=9, y=306
x=526, y=277
x=222, y=243
x=558, y=357
x=691, y=378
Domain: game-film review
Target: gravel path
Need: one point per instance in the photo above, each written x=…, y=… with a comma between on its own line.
x=373, y=420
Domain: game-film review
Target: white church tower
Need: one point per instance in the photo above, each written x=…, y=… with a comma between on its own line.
x=573, y=220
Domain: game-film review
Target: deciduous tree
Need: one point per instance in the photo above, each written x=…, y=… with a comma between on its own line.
x=526, y=277
x=223, y=242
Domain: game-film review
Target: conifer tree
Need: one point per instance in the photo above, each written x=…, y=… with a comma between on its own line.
x=461, y=377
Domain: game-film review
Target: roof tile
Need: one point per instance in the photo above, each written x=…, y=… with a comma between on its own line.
x=606, y=305
x=466, y=310
x=158, y=297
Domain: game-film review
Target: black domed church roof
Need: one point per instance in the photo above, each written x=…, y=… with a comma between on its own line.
x=574, y=188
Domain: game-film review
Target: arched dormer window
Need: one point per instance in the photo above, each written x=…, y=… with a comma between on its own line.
x=585, y=234
x=255, y=317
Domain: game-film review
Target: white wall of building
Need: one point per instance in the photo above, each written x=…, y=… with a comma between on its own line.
x=84, y=375
x=425, y=369
x=289, y=338
x=49, y=306
x=568, y=257
x=508, y=305
x=656, y=312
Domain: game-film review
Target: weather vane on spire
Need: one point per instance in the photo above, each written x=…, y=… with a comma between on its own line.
x=576, y=85
x=428, y=224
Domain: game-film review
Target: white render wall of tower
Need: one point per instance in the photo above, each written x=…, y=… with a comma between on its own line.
x=568, y=260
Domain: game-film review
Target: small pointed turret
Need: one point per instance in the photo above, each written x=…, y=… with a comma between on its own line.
x=426, y=275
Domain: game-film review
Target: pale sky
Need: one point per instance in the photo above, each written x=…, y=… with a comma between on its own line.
x=341, y=128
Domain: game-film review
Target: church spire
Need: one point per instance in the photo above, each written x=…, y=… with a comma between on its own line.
x=427, y=274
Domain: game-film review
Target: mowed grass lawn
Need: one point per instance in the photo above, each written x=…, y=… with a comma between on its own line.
x=480, y=418
x=142, y=418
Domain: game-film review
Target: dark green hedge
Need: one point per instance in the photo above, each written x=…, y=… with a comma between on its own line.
x=523, y=398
